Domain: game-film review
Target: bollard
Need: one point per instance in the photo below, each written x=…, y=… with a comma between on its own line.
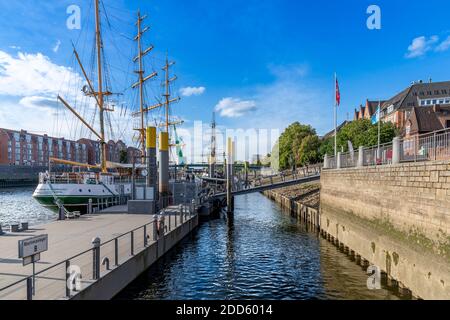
x=161, y=227
x=116, y=252
x=90, y=206
x=29, y=288
x=67, y=279
x=145, y=236
x=105, y=262
x=132, y=242
x=61, y=213
x=96, y=258
x=155, y=227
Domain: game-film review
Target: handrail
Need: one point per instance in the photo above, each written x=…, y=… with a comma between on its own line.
x=78, y=255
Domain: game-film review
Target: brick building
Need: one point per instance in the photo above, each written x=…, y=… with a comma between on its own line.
x=398, y=109
x=23, y=148
x=368, y=110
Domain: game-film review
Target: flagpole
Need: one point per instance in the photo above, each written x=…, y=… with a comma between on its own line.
x=379, y=128
x=335, y=115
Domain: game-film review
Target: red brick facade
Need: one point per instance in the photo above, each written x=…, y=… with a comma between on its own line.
x=23, y=148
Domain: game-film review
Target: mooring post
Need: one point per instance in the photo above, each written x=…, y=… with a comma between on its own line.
x=181, y=213
x=29, y=288
x=155, y=227
x=191, y=212
x=229, y=176
x=67, y=279
x=116, y=252
x=96, y=258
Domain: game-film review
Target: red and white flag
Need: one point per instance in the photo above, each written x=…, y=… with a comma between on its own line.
x=338, y=94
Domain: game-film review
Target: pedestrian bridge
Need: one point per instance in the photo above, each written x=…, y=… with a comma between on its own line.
x=269, y=183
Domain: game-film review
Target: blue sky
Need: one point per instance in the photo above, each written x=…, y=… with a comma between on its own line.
x=262, y=63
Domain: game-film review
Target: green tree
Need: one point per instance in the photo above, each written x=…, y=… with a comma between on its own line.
x=360, y=133
x=290, y=142
x=309, y=150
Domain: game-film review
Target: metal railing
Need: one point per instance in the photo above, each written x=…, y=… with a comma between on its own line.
x=375, y=156
x=432, y=146
x=426, y=147
x=65, y=279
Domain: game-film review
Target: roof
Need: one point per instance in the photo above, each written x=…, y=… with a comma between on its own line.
x=331, y=133
x=372, y=106
x=408, y=98
x=424, y=119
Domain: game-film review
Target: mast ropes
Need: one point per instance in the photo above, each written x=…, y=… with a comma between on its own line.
x=142, y=79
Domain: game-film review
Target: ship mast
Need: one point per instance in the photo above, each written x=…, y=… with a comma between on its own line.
x=167, y=93
x=98, y=38
x=142, y=79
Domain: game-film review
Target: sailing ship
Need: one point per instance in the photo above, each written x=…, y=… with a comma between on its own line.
x=104, y=184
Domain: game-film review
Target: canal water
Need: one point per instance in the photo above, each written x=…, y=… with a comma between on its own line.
x=17, y=205
x=262, y=254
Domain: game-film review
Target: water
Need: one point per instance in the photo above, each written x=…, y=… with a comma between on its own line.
x=263, y=254
x=17, y=205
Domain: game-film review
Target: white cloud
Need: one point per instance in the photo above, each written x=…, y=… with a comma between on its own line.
x=235, y=107
x=444, y=45
x=192, y=91
x=420, y=46
x=289, y=71
x=29, y=85
x=33, y=75
x=56, y=47
x=39, y=102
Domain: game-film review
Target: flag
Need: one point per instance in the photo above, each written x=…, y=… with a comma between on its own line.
x=376, y=116
x=338, y=93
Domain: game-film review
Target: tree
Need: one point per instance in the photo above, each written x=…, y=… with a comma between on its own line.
x=361, y=133
x=290, y=141
x=309, y=150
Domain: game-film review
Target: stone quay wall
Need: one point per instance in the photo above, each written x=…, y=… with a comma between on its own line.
x=397, y=217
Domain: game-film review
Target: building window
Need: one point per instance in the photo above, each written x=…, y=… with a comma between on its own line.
x=447, y=123
x=422, y=102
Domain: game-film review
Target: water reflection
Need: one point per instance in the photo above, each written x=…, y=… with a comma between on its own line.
x=260, y=254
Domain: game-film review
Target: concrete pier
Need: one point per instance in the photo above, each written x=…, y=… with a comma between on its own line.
x=129, y=245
